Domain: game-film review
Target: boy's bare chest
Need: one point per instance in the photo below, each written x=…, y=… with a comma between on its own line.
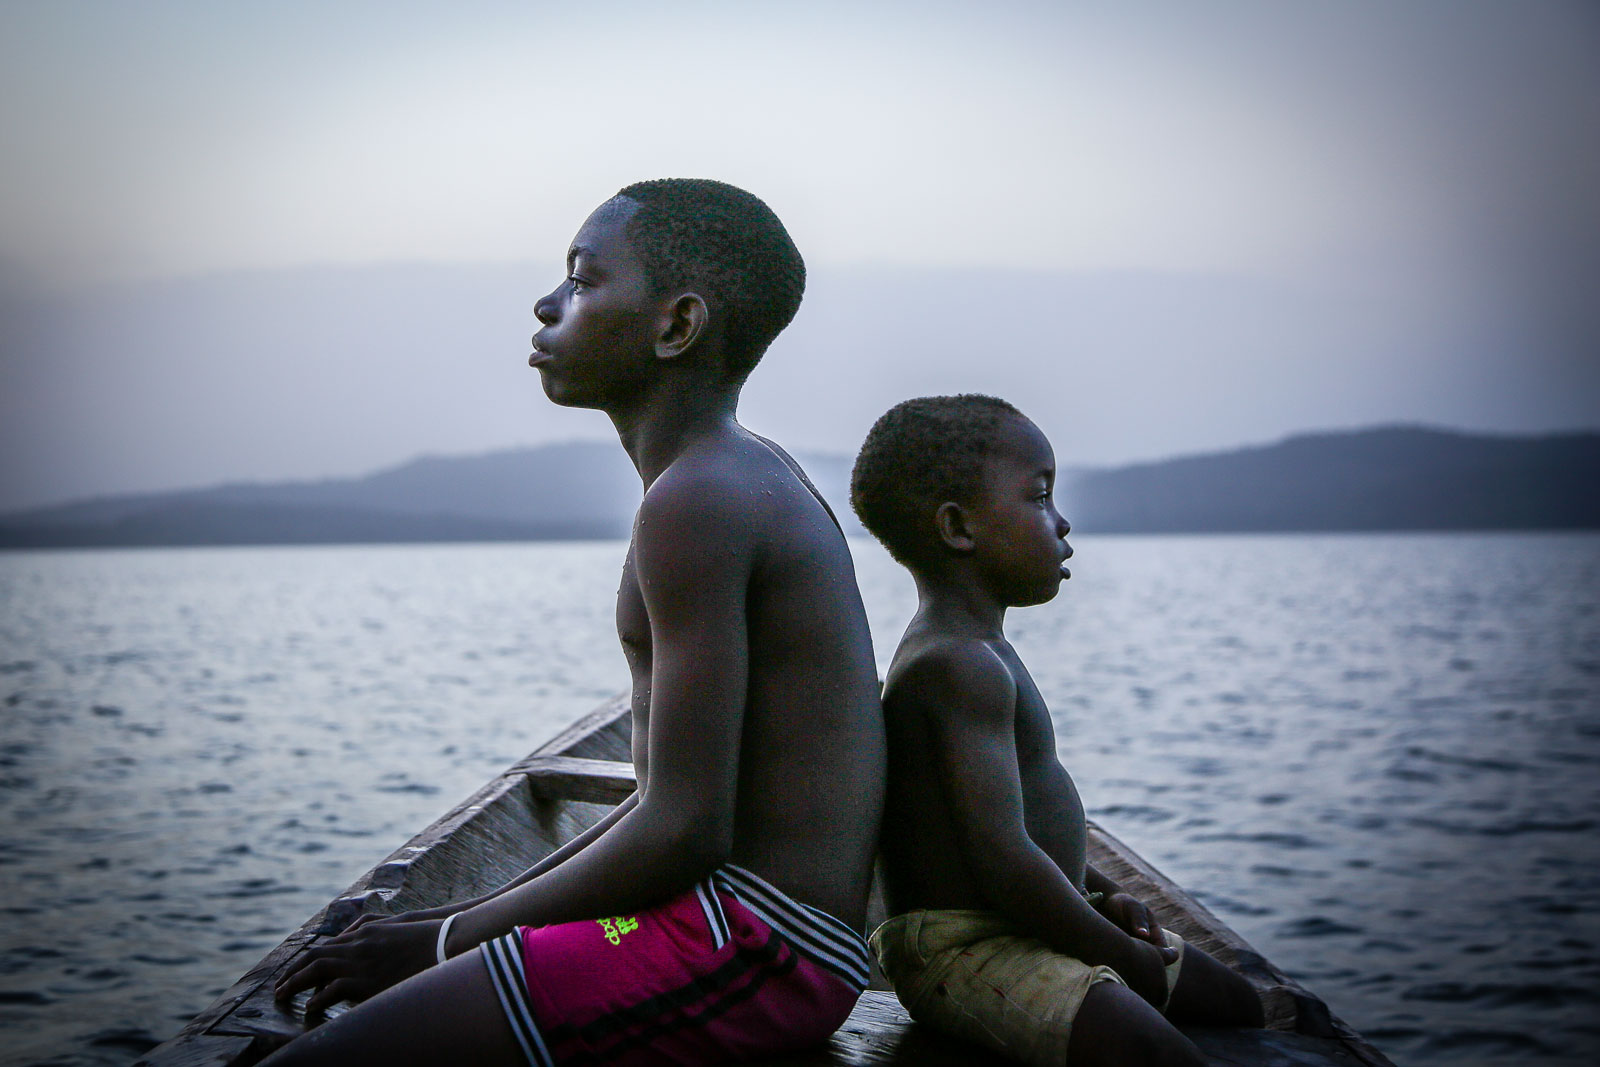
x=1035, y=734
x=633, y=618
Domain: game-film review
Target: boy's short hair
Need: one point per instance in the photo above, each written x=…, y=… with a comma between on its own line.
x=728, y=245
x=919, y=455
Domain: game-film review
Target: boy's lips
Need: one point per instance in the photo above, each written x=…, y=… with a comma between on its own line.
x=539, y=356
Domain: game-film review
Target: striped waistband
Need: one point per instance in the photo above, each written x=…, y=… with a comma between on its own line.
x=810, y=931
x=503, y=956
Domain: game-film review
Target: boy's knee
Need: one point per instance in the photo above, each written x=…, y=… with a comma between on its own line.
x=1117, y=1028
x=1157, y=1046
x=1144, y=1047
x=1247, y=1007
x=1169, y=1048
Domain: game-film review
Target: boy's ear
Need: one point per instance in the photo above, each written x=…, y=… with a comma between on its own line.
x=954, y=528
x=683, y=323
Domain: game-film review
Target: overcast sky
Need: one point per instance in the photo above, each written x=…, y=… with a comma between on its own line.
x=1163, y=227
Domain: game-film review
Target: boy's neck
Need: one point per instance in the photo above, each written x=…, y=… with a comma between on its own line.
x=656, y=430
x=953, y=601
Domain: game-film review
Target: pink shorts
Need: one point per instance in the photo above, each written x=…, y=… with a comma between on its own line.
x=732, y=969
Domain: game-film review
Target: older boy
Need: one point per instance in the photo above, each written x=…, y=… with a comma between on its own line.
x=716, y=913
x=1004, y=933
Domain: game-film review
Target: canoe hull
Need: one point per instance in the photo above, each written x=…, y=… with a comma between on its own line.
x=566, y=785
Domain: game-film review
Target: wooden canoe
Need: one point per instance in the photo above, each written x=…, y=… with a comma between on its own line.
x=564, y=786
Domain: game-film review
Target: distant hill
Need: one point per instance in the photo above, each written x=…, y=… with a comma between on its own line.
x=1397, y=478
x=570, y=491
x=1393, y=478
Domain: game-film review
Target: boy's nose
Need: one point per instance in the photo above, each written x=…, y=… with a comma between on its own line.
x=544, y=309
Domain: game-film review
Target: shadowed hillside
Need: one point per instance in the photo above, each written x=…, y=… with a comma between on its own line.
x=1397, y=478
x=1384, y=479
x=568, y=491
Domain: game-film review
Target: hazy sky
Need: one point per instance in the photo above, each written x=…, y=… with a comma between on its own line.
x=1407, y=189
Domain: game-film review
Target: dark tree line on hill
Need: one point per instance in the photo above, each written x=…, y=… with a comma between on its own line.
x=1399, y=478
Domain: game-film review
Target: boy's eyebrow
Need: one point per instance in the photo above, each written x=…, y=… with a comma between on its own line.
x=574, y=252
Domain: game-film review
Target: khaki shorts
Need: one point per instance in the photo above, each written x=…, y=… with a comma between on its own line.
x=971, y=974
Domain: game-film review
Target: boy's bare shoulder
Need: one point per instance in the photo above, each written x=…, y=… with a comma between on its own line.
x=717, y=483
x=942, y=675
x=706, y=494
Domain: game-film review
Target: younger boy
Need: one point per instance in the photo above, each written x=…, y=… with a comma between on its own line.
x=1003, y=933
x=715, y=915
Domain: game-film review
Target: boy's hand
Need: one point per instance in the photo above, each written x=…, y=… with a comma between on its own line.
x=1131, y=916
x=360, y=963
x=420, y=915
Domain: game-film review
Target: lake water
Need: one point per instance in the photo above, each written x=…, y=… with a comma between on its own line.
x=1375, y=756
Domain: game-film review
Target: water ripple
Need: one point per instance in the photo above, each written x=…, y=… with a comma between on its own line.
x=1368, y=755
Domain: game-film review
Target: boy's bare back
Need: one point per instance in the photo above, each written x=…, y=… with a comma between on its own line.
x=965, y=720
x=734, y=515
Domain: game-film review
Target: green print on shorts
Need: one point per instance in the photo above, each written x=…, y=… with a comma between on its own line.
x=618, y=925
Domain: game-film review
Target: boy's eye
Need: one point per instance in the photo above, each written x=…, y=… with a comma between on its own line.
x=578, y=284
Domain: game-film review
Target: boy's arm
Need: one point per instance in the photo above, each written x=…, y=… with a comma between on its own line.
x=555, y=859
x=969, y=698
x=1050, y=814
x=693, y=554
